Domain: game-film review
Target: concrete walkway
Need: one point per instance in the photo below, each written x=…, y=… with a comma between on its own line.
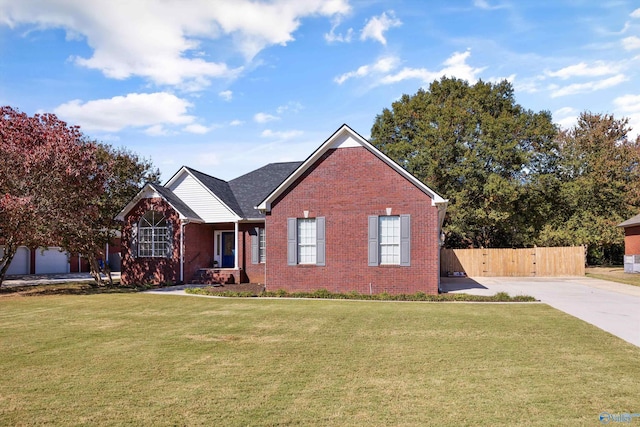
x=612, y=307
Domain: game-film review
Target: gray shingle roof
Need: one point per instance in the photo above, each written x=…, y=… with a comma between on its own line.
x=220, y=188
x=631, y=222
x=176, y=202
x=252, y=188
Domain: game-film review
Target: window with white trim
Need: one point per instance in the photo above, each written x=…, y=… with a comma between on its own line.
x=154, y=239
x=306, y=240
x=389, y=240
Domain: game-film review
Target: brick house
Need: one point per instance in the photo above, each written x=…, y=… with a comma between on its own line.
x=348, y=218
x=631, y=244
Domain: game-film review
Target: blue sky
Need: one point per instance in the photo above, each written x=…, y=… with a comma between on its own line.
x=227, y=86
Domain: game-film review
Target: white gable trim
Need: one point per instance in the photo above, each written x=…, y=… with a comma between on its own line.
x=345, y=137
x=149, y=192
x=184, y=170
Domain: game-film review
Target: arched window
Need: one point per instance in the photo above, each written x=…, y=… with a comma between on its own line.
x=154, y=235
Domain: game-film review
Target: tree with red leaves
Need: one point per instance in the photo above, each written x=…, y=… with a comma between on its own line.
x=57, y=188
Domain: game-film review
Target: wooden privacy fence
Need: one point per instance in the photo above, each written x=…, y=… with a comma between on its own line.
x=562, y=261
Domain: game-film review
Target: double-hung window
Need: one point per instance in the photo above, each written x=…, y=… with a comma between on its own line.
x=154, y=236
x=258, y=245
x=389, y=227
x=306, y=241
x=390, y=240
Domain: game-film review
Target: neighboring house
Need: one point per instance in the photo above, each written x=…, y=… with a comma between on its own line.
x=631, y=244
x=346, y=219
x=53, y=260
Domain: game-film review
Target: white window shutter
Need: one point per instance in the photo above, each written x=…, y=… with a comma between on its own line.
x=133, y=243
x=169, y=244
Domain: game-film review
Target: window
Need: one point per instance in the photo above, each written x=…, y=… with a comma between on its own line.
x=306, y=241
x=261, y=246
x=154, y=237
x=389, y=239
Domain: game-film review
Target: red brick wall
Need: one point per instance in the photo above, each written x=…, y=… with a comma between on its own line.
x=632, y=240
x=150, y=270
x=346, y=186
x=198, y=248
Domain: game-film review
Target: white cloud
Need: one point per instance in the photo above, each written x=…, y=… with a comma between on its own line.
x=161, y=40
x=631, y=43
x=268, y=133
x=382, y=65
x=332, y=37
x=156, y=130
x=227, y=95
x=629, y=106
x=586, y=87
x=582, y=69
x=132, y=110
x=264, y=118
x=483, y=4
x=236, y=122
x=291, y=106
x=198, y=129
x=635, y=13
x=378, y=25
x=455, y=66
x=566, y=117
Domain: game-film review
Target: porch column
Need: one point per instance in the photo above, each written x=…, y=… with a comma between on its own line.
x=235, y=252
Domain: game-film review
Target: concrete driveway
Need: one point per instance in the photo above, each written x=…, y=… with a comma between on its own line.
x=610, y=306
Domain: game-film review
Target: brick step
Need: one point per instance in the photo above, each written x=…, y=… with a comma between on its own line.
x=211, y=276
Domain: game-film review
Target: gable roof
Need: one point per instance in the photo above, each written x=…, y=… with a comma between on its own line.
x=219, y=188
x=342, y=138
x=174, y=201
x=630, y=222
x=250, y=189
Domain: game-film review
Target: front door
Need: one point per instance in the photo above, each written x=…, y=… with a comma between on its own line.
x=228, y=249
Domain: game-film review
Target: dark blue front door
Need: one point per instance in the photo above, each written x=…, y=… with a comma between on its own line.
x=228, y=250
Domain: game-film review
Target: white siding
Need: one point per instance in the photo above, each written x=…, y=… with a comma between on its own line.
x=20, y=262
x=200, y=200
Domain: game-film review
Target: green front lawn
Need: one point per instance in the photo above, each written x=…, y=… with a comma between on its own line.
x=142, y=359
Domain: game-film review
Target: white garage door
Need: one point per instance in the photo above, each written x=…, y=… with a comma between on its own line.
x=51, y=261
x=20, y=262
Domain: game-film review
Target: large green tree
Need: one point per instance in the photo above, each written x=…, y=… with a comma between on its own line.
x=493, y=159
x=599, y=187
x=124, y=174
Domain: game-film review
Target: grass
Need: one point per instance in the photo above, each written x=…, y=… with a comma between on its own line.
x=141, y=359
x=614, y=274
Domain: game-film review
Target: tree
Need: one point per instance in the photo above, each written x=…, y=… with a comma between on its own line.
x=599, y=178
x=59, y=188
x=49, y=174
x=125, y=173
x=493, y=159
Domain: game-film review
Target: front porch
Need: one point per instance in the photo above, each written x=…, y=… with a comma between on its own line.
x=217, y=276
